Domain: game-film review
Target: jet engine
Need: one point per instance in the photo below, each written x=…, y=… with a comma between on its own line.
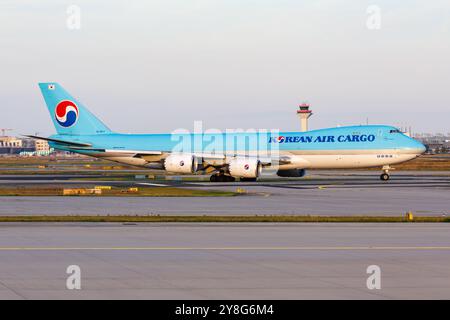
x=245, y=168
x=181, y=163
x=294, y=173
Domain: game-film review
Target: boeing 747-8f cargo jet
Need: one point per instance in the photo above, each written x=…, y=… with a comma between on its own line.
x=231, y=155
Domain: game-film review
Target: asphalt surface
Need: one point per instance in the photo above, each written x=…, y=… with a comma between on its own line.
x=225, y=261
x=325, y=193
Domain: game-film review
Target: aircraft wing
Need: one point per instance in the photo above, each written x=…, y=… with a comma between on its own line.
x=266, y=160
x=284, y=160
x=135, y=153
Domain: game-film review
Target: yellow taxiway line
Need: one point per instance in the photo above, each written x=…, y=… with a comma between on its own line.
x=338, y=248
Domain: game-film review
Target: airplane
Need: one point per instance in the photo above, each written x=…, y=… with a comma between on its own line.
x=289, y=153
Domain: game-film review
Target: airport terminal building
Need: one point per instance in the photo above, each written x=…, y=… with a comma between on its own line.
x=16, y=146
x=438, y=143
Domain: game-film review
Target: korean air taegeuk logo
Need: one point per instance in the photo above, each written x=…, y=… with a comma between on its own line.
x=66, y=113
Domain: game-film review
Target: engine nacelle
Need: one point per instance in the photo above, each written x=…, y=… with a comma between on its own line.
x=245, y=168
x=181, y=163
x=293, y=173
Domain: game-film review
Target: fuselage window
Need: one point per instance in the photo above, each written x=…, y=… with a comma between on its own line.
x=385, y=156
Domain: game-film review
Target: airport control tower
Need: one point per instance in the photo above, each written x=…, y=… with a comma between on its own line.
x=304, y=113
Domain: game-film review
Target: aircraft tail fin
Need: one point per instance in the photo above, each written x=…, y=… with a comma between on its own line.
x=69, y=116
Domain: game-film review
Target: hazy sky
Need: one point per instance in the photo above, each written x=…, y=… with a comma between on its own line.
x=154, y=66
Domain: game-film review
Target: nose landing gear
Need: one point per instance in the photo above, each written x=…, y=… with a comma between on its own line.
x=385, y=175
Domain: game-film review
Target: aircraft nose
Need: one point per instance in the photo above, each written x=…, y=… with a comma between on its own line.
x=422, y=148
x=419, y=146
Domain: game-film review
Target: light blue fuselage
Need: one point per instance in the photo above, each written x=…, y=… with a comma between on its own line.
x=80, y=131
x=353, y=138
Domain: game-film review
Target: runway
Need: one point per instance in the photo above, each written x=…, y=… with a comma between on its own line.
x=225, y=261
x=325, y=193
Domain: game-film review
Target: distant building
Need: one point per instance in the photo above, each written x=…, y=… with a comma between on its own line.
x=41, y=146
x=28, y=143
x=10, y=145
x=14, y=146
x=435, y=143
x=10, y=142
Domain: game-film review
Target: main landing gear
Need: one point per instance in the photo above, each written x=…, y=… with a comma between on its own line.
x=385, y=175
x=221, y=177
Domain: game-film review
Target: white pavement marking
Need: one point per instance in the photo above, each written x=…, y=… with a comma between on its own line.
x=153, y=184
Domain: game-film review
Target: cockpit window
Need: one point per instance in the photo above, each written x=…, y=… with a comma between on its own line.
x=395, y=131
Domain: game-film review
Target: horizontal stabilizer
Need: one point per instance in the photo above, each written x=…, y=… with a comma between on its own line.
x=64, y=142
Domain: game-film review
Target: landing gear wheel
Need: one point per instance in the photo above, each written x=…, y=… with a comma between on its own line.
x=248, y=179
x=221, y=178
x=230, y=179
x=384, y=177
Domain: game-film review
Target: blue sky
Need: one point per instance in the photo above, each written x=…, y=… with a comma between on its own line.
x=155, y=66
